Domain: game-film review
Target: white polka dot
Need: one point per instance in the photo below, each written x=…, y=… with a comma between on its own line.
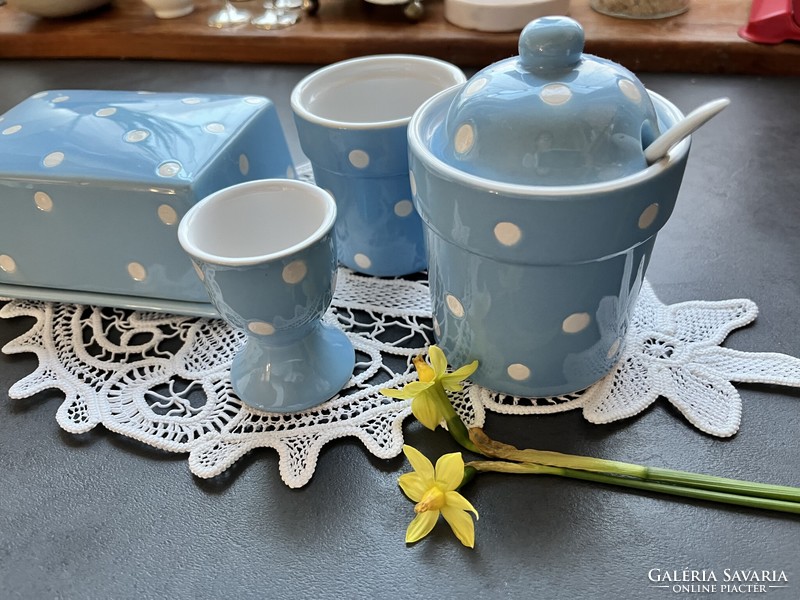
x=261, y=328
x=12, y=130
x=648, y=215
x=475, y=86
x=167, y=214
x=137, y=135
x=528, y=160
x=169, y=169
x=43, y=201
x=507, y=233
x=363, y=261
x=465, y=138
x=290, y=172
x=403, y=208
x=413, y=182
x=39, y=95
x=53, y=159
x=137, y=271
x=105, y=112
x=7, y=263
x=437, y=329
x=614, y=348
x=359, y=159
x=199, y=271
x=255, y=100
x=555, y=94
x=60, y=99
x=191, y=101
x=576, y=322
x=518, y=372
x=454, y=306
x=630, y=90
x=215, y=128
x=294, y=272
x=244, y=164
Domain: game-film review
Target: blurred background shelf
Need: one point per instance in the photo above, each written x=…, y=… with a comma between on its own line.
x=703, y=40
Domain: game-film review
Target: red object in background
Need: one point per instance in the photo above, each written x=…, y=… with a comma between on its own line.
x=772, y=22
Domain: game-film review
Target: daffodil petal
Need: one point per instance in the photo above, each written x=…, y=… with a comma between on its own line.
x=420, y=464
x=452, y=381
x=438, y=360
x=451, y=385
x=425, y=411
x=461, y=524
x=458, y=501
x=421, y=525
x=450, y=471
x=413, y=485
x=400, y=394
x=411, y=390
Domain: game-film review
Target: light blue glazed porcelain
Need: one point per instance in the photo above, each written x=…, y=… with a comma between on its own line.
x=352, y=118
x=93, y=184
x=266, y=254
x=537, y=282
x=552, y=115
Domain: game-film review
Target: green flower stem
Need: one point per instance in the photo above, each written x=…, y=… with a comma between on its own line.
x=469, y=475
x=489, y=447
x=455, y=425
x=632, y=482
x=723, y=484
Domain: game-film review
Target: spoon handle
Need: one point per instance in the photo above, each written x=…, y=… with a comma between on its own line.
x=686, y=126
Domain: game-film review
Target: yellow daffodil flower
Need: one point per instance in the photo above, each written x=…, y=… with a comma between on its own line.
x=434, y=488
x=429, y=403
x=434, y=491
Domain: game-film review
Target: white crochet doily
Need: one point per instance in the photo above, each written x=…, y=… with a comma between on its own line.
x=164, y=379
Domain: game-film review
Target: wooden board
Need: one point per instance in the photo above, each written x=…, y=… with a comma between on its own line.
x=703, y=40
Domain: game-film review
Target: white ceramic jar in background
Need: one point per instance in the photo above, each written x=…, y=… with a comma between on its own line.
x=170, y=9
x=500, y=15
x=640, y=9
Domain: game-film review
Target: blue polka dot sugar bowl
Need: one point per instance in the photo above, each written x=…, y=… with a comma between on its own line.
x=540, y=211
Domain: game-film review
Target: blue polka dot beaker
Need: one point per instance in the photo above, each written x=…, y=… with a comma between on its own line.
x=352, y=119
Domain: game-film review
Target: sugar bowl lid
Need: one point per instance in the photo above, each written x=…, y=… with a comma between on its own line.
x=552, y=115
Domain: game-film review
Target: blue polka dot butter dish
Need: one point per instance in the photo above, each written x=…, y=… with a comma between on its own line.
x=93, y=184
x=540, y=210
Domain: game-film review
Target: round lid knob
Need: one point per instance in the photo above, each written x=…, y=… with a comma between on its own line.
x=550, y=43
x=552, y=115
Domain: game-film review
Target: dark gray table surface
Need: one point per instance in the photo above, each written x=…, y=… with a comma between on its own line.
x=101, y=516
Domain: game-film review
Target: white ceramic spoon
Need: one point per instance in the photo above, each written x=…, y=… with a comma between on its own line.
x=686, y=126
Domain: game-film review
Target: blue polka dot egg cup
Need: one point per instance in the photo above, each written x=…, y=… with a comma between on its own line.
x=352, y=120
x=95, y=183
x=265, y=252
x=538, y=280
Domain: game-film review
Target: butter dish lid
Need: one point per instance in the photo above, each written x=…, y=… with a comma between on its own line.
x=552, y=115
x=122, y=136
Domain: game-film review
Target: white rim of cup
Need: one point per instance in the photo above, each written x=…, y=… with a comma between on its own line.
x=329, y=218
x=443, y=67
x=422, y=152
